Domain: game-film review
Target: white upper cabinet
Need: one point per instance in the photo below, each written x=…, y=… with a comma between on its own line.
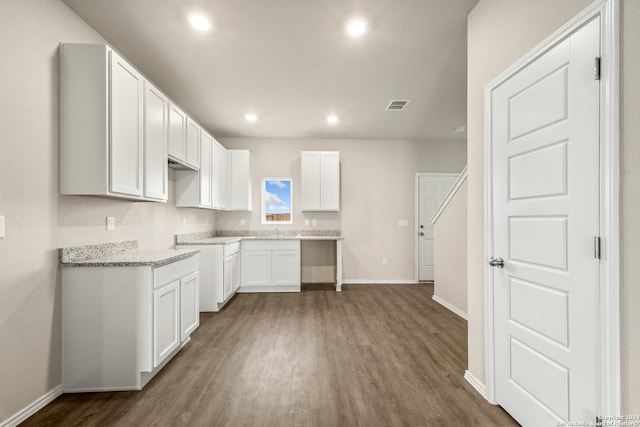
x=177, y=134
x=192, y=147
x=239, y=174
x=320, y=173
x=156, y=115
x=206, y=143
x=218, y=177
x=102, y=148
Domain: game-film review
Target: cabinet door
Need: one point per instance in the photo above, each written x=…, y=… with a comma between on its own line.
x=177, y=133
x=166, y=321
x=256, y=268
x=240, y=163
x=205, y=173
x=236, y=272
x=189, y=305
x=228, y=276
x=330, y=181
x=285, y=268
x=217, y=155
x=192, y=156
x=126, y=143
x=156, y=128
x=310, y=168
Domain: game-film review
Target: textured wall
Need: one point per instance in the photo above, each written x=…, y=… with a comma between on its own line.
x=450, y=249
x=378, y=180
x=38, y=220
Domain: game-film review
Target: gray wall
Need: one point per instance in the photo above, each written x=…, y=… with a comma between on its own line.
x=499, y=33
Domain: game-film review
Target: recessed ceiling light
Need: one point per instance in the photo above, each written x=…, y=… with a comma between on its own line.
x=356, y=27
x=332, y=119
x=250, y=117
x=200, y=22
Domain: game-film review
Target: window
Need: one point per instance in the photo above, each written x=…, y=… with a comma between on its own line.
x=276, y=201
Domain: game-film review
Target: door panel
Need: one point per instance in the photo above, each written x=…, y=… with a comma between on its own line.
x=545, y=203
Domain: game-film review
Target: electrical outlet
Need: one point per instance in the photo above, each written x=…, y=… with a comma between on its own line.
x=184, y=222
x=385, y=261
x=306, y=221
x=314, y=222
x=1, y=227
x=111, y=223
x=243, y=221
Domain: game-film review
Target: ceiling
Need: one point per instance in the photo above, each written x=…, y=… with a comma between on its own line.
x=291, y=63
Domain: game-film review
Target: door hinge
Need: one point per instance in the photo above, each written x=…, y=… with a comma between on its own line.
x=596, y=247
x=596, y=68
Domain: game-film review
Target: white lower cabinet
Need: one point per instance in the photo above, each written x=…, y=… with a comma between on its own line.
x=219, y=274
x=121, y=325
x=270, y=266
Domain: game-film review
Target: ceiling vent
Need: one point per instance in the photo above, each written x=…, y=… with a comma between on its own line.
x=397, y=104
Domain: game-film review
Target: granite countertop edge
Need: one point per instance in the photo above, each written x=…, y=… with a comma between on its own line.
x=226, y=240
x=138, y=258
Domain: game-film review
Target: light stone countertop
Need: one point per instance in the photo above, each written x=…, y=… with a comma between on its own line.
x=225, y=240
x=122, y=254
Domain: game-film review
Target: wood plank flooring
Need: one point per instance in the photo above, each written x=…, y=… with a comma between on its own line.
x=373, y=355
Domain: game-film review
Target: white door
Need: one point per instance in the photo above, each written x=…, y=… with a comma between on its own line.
x=177, y=133
x=545, y=203
x=227, y=276
x=189, y=305
x=432, y=189
x=156, y=111
x=126, y=144
x=285, y=269
x=192, y=145
x=166, y=321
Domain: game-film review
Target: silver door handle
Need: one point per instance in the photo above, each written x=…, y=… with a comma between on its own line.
x=422, y=233
x=496, y=262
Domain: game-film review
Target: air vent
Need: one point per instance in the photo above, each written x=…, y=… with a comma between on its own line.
x=397, y=104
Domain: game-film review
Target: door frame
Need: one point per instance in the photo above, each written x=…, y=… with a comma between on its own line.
x=609, y=12
x=416, y=217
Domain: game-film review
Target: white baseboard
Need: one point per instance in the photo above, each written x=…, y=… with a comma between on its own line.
x=451, y=307
x=379, y=282
x=477, y=385
x=32, y=408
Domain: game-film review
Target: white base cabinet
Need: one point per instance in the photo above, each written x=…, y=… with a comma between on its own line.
x=270, y=266
x=219, y=274
x=121, y=325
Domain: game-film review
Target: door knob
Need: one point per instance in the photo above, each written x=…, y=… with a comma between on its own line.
x=496, y=262
x=422, y=233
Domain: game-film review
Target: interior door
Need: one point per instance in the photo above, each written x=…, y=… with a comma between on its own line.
x=545, y=203
x=432, y=189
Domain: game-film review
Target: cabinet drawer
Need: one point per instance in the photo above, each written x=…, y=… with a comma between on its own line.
x=231, y=248
x=174, y=271
x=271, y=245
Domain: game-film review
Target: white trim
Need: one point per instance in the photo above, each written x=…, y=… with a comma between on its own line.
x=609, y=12
x=416, y=202
x=477, y=385
x=32, y=408
x=452, y=192
x=379, y=282
x=450, y=306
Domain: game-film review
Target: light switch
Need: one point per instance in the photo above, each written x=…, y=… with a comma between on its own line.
x=403, y=223
x=306, y=221
x=184, y=222
x=1, y=227
x=111, y=223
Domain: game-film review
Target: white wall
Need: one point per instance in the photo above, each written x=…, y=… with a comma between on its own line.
x=450, y=251
x=38, y=220
x=377, y=184
x=499, y=33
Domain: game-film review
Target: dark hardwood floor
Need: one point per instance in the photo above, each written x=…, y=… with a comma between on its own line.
x=373, y=355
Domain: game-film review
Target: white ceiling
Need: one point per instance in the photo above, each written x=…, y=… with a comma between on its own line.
x=291, y=62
